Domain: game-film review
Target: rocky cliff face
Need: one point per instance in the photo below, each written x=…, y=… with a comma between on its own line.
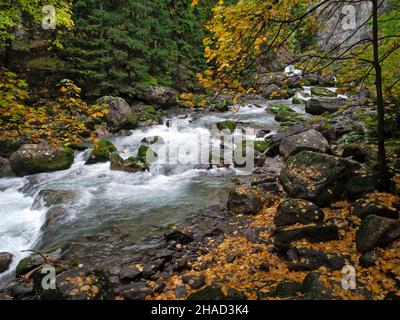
x=344, y=23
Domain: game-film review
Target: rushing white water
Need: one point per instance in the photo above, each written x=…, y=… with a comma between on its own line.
x=19, y=225
x=138, y=202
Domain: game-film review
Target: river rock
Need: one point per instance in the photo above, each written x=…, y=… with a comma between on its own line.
x=77, y=284
x=181, y=235
x=37, y=158
x=375, y=206
x=316, y=177
x=321, y=105
x=313, y=289
x=101, y=152
x=310, y=140
x=53, y=214
x=146, y=154
x=120, y=115
x=159, y=95
x=31, y=262
x=209, y=293
x=360, y=153
x=306, y=259
x=287, y=289
x=318, y=233
x=5, y=261
x=48, y=198
x=293, y=211
x=270, y=90
x=132, y=164
x=226, y=125
x=376, y=231
x=322, y=92
x=276, y=139
x=362, y=183
x=244, y=202
x=284, y=114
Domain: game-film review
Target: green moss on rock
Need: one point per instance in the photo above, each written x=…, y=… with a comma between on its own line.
x=101, y=152
x=226, y=125
x=33, y=159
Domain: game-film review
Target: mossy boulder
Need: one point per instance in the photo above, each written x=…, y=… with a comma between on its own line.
x=322, y=92
x=297, y=100
x=284, y=114
x=221, y=103
x=37, y=158
x=146, y=154
x=293, y=211
x=226, y=125
x=101, y=152
x=120, y=114
x=81, y=146
x=132, y=164
x=159, y=95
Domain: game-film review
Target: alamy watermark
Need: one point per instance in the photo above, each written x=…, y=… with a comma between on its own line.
x=49, y=20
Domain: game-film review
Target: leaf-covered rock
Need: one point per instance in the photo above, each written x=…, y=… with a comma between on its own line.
x=376, y=231
x=293, y=211
x=316, y=177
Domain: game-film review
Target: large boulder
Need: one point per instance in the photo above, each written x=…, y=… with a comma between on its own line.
x=310, y=140
x=360, y=153
x=321, y=105
x=276, y=139
x=5, y=261
x=37, y=158
x=244, y=202
x=159, y=95
x=376, y=231
x=293, y=211
x=101, y=152
x=316, y=177
x=270, y=91
x=120, y=114
x=362, y=183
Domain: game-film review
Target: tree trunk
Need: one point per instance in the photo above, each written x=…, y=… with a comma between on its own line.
x=380, y=102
